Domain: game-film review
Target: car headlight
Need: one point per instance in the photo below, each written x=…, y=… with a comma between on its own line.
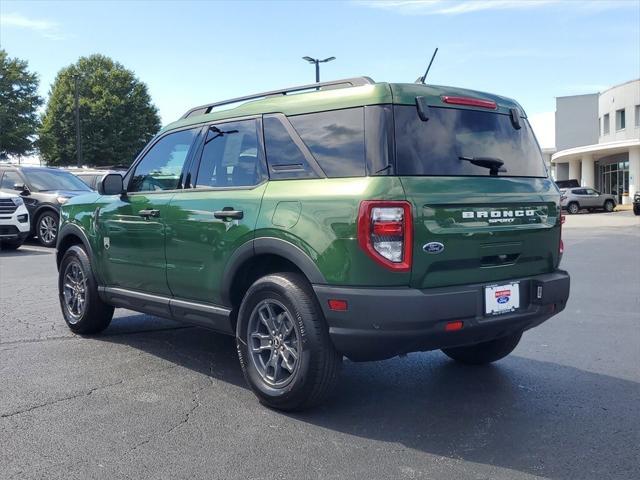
x=17, y=201
x=62, y=200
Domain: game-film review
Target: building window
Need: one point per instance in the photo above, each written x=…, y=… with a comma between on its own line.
x=600, y=126
x=620, y=120
x=637, y=115
x=605, y=124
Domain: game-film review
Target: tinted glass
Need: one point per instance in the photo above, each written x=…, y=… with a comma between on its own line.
x=230, y=157
x=284, y=156
x=434, y=147
x=378, y=121
x=46, y=180
x=9, y=180
x=161, y=167
x=336, y=140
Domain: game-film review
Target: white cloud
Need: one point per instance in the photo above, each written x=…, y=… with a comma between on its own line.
x=457, y=7
x=544, y=126
x=46, y=28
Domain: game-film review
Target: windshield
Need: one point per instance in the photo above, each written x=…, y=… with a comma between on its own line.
x=447, y=142
x=44, y=180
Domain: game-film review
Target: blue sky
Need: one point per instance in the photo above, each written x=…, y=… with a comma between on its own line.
x=190, y=53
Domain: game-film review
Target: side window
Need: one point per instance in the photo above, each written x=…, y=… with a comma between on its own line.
x=231, y=156
x=161, y=167
x=336, y=140
x=9, y=180
x=285, y=153
x=580, y=191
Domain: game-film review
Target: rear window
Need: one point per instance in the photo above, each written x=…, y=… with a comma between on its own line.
x=434, y=147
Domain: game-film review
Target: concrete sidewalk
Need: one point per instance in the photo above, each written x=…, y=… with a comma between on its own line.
x=598, y=220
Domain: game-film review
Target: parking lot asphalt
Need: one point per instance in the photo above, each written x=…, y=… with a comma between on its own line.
x=153, y=399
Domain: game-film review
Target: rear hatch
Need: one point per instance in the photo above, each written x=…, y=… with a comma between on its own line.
x=484, y=209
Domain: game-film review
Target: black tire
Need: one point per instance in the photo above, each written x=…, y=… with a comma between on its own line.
x=95, y=315
x=573, y=208
x=11, y=244
x=47, y=228
x=609, y=206
x=314, y=373
x=486, y=352
x=636, y=210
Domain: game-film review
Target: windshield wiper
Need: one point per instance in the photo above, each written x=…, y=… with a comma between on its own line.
x=218, y=133
x=494, y=164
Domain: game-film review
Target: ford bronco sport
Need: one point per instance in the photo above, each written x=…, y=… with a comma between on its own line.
x=346, y=218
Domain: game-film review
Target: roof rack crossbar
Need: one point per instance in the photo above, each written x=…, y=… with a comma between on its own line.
x=350, y=82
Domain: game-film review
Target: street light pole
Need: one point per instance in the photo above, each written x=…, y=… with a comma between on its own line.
x=77, y=111
x=317, y=62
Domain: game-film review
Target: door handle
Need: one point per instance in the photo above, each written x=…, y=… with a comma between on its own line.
x=149, y=213
x=228, y=212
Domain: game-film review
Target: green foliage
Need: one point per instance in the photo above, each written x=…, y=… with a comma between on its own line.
x=117, y=118
x=19, y=102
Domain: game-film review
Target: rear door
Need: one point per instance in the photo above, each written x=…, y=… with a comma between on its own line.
x=474, y=222
x=212, y=220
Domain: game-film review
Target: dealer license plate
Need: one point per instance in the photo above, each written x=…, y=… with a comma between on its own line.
x=501, y=298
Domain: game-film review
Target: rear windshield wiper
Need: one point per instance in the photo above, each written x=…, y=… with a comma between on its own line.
x=494, y=165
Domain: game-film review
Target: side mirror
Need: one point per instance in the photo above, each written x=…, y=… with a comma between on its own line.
x=111, y=184
x=22, y=188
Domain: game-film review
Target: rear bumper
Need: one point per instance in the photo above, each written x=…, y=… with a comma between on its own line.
x=384, y=322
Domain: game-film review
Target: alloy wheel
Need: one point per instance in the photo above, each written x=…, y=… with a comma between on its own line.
x=74, y=291
x=274, y=343
x=47, y=229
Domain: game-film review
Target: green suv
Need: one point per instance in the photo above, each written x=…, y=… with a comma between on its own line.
x=346, y=218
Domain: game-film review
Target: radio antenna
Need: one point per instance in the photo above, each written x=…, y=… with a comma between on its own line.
x=423, y=78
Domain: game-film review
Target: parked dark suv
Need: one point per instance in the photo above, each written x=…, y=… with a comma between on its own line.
x=356, y=219
x=43, y=191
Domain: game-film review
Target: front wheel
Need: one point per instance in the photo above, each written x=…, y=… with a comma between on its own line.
x=609, y=206
x=636, y=210
x=47, y=228
x=485, y=352
x=83, y=309
x=573, y=208
x=284, y=348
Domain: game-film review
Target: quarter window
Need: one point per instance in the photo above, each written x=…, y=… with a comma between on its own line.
x=285, y=154
x=231, y=156
x=161, y=167
x=336, y=140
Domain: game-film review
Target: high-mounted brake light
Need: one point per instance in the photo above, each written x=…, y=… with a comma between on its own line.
x=470, y=102
x=385, y=233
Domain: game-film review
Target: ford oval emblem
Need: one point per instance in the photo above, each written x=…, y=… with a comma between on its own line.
x=433, y=247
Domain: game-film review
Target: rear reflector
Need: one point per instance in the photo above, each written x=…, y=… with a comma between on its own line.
x=453, y=326
x=339, y=305
x=470, y=102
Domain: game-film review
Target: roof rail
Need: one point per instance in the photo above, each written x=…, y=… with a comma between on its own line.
x=347, y=82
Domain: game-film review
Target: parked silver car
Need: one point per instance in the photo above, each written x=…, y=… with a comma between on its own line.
x=575, y=199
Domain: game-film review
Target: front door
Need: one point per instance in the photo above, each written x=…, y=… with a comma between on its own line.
x=132, y=228
x=210, y=221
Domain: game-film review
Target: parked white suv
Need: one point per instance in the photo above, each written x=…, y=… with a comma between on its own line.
x=575, y=199
x=14, y=221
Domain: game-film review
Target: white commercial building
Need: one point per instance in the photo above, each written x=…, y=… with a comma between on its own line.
x=598, y=140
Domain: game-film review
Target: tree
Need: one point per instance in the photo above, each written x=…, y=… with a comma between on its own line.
x=19, y=102
x=117, y=117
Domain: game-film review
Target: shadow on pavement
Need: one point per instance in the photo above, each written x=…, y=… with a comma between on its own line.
x=531, y=416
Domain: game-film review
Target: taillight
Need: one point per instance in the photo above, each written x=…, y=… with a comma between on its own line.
x=385, y=232
x=561, y=245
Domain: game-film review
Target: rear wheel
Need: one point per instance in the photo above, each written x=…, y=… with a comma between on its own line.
x=283, y=343
x=83, y=309
x=47, y=228
x=609, y=206
x=573, y=208
x=486, y=352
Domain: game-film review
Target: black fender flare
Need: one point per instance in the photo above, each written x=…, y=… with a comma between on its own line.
x=263, y=246
x=71, y=229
